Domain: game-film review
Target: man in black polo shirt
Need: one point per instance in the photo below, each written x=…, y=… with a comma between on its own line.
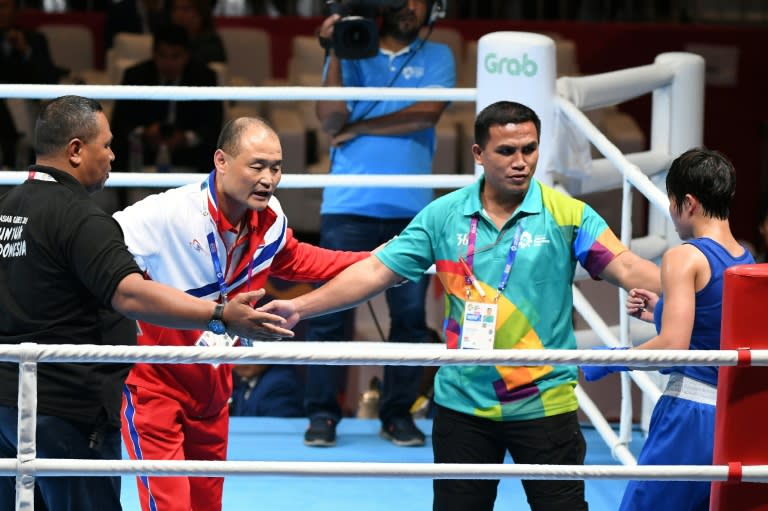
x=63, y=270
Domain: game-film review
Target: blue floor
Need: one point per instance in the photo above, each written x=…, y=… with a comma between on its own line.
x=281, y=440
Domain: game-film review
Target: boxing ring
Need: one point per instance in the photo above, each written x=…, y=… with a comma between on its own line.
x=675, y=81
x=26, y=467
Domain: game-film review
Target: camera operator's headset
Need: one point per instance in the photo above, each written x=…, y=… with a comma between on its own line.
x=436, y=10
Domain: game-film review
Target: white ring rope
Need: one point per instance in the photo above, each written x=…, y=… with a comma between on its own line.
x=452, y=181
x=344, y=353
x=185, y=93
x=67, y=467
x=370, y=353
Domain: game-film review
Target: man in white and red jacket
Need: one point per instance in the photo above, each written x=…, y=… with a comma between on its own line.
x=212, y=239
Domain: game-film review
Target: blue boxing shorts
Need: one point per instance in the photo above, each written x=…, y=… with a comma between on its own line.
x=681, y=432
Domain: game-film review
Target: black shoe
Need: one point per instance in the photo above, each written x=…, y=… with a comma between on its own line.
x=320, y=433
x=402, y=431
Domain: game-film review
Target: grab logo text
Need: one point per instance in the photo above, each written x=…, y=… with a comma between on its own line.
x=496, y=65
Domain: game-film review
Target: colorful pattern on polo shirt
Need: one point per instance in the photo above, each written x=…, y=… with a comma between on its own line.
x=535, y=310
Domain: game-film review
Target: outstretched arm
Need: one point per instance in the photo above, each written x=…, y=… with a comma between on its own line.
x=302, y=262
x=628, y=270
x=358, y=283
x=162, y=305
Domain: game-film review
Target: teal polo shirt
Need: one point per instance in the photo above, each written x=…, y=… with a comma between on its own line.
x=535, y=309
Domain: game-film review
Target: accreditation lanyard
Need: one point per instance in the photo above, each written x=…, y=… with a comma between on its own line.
x=215, y=251
x=511, y=255
x=36, y=175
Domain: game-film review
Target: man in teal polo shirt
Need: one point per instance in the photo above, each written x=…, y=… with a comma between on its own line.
x=507, y=245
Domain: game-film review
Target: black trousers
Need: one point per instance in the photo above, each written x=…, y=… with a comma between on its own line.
x=60, y=438
x=461, y=438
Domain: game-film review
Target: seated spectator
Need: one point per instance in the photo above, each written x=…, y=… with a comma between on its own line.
x=133, y=16
x=24, y=58
x=196, y=16
x=267, y=391
x=186, y=130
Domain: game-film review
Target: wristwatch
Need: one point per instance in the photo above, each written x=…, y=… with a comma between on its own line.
x=216, y=323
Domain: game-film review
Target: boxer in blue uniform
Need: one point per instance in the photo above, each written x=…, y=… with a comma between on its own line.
x=700, y=185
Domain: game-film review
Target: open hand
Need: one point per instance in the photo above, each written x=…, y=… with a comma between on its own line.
x=243, y=320
x=284, y=309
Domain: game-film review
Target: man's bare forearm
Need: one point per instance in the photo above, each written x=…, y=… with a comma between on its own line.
x=357, y=284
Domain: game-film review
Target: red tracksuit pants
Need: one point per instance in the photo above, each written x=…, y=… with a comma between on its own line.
x=156, y=427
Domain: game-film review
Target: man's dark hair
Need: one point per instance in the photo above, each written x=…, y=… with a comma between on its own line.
x=172, y=35
x=707, y=175
x=204, y=9
x=232, y=132
x=62, y=119
x=501, y=113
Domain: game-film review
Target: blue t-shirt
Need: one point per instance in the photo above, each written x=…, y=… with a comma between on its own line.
x=430, y=65
x=709, y=305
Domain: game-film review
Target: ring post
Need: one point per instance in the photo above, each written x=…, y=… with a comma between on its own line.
x=520, y=66
x=742, y=392
x=26, y=428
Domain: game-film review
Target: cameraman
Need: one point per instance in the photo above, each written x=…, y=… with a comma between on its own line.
x=378, y=137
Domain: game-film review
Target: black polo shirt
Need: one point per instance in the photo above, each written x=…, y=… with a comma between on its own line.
x=61, y=259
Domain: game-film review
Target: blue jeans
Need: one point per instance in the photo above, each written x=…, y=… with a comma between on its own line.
x=407, y=319
x=60, y=438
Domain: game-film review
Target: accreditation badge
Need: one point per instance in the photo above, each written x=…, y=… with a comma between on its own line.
x=478, y=329
x=208, y=338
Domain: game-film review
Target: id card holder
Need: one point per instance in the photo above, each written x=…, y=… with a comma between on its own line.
x=215, y=340
x=478, y=329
